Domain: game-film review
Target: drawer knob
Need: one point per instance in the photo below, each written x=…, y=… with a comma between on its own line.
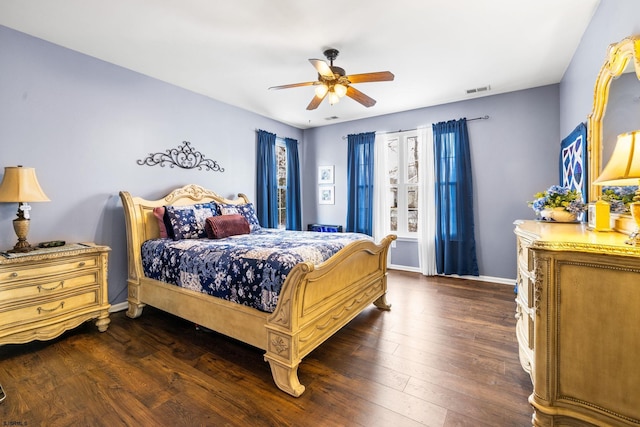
x=49, y=310
x=81, y=264
x=59, y=285
x=14, y=274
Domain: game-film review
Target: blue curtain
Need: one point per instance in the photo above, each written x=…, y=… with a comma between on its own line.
x=294, y=207
x=360, y=183
x=267, y=184
x=455, y=241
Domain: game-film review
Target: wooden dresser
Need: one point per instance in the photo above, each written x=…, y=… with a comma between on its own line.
x=578, y=310
x=48, y=291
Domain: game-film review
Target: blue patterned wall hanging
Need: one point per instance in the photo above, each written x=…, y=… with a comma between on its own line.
x=573, y=160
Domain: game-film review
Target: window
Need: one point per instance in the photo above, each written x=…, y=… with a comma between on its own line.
x=403, y=183
x=281, y=174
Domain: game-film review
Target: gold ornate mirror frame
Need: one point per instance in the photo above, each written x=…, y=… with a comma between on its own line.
x=618, y=57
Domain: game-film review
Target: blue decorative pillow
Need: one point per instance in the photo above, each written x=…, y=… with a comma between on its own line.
x=246, y=210
x=187, y=222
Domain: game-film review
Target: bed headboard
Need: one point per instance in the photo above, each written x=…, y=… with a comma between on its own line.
x=142, y=225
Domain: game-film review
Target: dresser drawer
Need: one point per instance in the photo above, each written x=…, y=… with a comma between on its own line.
x=36, y=288
x=524, y=327
x=18, y=272
x=523, y=287
x=36, y=310
x=525, y=258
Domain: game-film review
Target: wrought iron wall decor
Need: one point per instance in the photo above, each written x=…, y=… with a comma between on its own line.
x=185, y=157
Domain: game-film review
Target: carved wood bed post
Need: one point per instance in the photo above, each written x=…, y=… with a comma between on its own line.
x=282, y=350
x=132, y=217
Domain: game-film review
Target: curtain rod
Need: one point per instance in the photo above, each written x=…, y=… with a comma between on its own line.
x=485, y=117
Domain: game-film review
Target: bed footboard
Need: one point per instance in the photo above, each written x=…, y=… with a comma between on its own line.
x=315, y=302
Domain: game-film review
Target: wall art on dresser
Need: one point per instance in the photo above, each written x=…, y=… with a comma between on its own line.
x=185, y=157
x=573, y=161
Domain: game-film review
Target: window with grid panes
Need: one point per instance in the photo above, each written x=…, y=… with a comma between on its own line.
x=281, y=164
x=403, y=182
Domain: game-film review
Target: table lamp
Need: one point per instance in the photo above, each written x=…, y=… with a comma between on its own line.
x=623, y=169
x=19, y=184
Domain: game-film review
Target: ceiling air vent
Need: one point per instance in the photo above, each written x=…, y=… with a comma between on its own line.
x=478, y=90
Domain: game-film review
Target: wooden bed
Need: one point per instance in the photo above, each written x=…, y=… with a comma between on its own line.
x=314, y=302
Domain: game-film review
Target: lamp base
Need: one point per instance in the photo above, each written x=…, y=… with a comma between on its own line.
x=21, y=249
x=634, y=238
x=21, y=227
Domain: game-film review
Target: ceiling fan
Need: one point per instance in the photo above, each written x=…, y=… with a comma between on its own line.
x=333, y=82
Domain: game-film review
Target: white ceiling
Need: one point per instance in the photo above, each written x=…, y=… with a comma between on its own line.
x=233, y=51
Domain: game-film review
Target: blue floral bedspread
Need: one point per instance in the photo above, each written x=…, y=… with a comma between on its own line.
x=247, y=269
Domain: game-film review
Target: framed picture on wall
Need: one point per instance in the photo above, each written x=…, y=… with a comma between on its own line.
x=573, y=161
x=326, y=195
x=325, y=175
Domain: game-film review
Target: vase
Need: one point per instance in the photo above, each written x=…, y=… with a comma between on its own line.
x=557, y=215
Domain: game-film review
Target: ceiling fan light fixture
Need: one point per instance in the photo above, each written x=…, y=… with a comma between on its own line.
x=321, y=90
x=333, y=98
x=334, y=83
x=340, y=89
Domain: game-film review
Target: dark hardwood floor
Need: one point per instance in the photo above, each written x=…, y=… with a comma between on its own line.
x=445, y=355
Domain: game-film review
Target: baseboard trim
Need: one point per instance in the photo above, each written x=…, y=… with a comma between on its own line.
x=404, y=268
x=121, y=306
x=499, y=280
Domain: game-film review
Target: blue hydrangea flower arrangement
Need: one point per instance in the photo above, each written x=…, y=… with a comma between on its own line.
x=558, y=196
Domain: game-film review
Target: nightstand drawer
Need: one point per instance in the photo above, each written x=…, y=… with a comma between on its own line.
x=13, y=273
x=33, y=289
x=34, y=311
x=48, y=291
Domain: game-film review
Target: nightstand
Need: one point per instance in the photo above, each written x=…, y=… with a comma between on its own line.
x=48, y=291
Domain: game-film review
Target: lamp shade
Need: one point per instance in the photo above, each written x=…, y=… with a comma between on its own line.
x=19, y=184
x=623, y=167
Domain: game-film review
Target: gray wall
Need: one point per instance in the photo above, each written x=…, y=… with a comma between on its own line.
x=514, y=154
x=83, y=123
x=613, y=21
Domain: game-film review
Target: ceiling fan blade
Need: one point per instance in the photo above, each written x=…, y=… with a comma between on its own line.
x=315, y=102
x=323, y=68
x=363, y=99
x=380, y=76
x=294, y=85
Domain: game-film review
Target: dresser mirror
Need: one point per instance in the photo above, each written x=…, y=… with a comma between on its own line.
x=623, y=110
x=617, y=92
